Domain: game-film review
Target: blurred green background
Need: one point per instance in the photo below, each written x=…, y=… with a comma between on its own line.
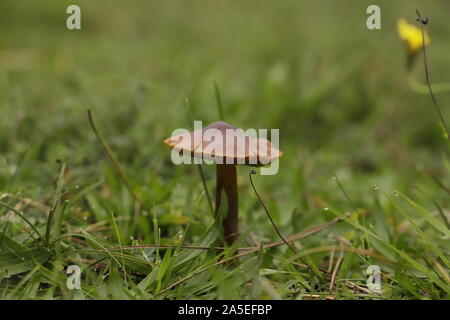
x=337, y=91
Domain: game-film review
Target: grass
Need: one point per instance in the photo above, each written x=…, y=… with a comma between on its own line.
x=360, y=146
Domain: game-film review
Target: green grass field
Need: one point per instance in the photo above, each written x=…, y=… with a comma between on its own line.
x=340, y=94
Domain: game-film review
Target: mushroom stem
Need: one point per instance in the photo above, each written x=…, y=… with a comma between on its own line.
x=226, y=180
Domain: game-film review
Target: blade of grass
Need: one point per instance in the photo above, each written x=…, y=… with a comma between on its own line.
x=219, y=102
x=58, y=210
x=23, y=218
x=438, y=207
x=49, y=223
x=298, y=236
x=436, y=223
x=412, y=262
x=424, y=21
x=199, y=166
x=116, y=229
x=431, y=246
x=115, y=162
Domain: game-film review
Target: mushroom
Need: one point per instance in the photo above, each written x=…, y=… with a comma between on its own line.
x=225, y=146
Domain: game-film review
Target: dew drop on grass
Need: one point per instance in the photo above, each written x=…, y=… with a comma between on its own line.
x=375, y=187
x=325, y=209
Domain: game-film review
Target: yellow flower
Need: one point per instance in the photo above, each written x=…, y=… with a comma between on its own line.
x=412, y=36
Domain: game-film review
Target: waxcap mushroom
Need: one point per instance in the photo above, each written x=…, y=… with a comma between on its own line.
x=221, y=143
